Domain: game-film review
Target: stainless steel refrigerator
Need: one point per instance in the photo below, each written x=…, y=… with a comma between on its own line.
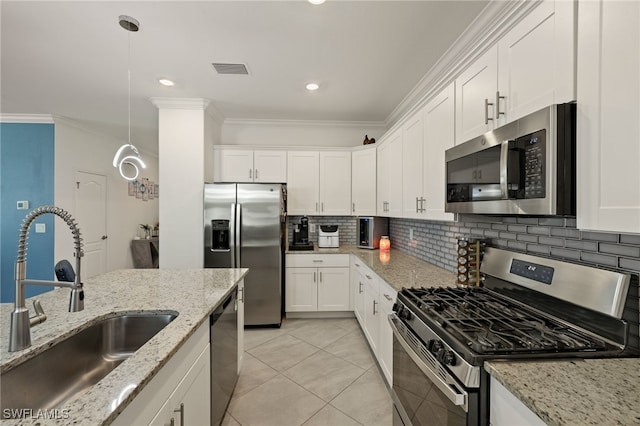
x=244, y=228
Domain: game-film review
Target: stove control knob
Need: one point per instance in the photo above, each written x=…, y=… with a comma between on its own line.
x=435, y=346
x=446, y=357
x=396, y=307
x=405, y=314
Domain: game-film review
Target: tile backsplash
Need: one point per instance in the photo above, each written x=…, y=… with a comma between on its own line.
x=556, y=237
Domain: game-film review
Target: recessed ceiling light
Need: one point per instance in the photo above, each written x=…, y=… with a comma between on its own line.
x=312, y=86
x=166, y=82
x=316, y=2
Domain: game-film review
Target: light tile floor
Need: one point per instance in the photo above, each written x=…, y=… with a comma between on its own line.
x=311, y=372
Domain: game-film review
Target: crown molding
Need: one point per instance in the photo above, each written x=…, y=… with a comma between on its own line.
x=27, y=118
x=180, y=103
x=491, y=25
x=302, y=123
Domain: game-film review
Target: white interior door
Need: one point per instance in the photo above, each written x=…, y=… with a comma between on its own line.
x=91, y=215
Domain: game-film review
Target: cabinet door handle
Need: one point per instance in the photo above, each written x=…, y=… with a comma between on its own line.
x=316, y=206
x=368, y=277
x=374, y=307
x=322, y=206
x=417, y=202
x=354, y=208
x=486, y=111
x=181, y=411
x=389, y=298
x=360, y=287
x=256, y=173
x=172, y=422
x=498, y=112
x=357, y=264
x=480, y=174
x=320, y=276
x=314, y=277
x=250, y=174
x=241, y=291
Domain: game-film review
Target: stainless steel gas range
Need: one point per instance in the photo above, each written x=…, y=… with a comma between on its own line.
x=528, y=308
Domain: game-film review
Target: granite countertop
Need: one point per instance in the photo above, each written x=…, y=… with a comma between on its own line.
x=576, y=392
x=194, y=294
x=402, y=269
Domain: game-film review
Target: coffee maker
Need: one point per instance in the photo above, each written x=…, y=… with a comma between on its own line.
x=301, y=236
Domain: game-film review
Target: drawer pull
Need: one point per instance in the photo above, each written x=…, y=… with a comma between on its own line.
x=389, y=298
x=318, y=260
x=368, y=277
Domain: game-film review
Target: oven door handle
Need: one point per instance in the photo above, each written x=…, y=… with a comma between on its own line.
x=449, y=388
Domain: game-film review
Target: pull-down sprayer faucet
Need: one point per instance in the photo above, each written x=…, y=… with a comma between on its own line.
x=20, y=337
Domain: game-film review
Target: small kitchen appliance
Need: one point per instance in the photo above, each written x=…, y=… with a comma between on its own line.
x=370, y=229
x=529, y=307
x=525, y=167
x=301, y=236
x=328, y=236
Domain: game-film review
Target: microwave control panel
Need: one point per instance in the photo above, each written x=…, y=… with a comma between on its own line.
x=533, y=146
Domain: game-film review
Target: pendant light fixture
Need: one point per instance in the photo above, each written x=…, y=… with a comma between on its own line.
x=127, y=155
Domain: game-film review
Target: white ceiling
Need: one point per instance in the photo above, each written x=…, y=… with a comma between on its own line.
x=70, y=58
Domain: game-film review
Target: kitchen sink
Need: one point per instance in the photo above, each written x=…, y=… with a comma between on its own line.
x=75, y=364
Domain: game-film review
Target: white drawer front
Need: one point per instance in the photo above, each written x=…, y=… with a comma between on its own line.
x=317, y=260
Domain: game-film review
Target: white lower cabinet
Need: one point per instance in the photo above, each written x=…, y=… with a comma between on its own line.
x=373, y=302
x=371, y=313
x=385, y=337
x=505, y=409
x=180, y=391
x=317, y=283
x=190, y=402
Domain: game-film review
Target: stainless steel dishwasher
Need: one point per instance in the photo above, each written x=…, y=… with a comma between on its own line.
x=224, y=356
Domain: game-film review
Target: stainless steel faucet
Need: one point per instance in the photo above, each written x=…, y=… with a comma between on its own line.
x=20, y=337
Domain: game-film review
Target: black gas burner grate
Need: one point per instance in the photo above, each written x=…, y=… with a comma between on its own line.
x=489, y=323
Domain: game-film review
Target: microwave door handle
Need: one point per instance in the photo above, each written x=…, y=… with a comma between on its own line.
x=504, y=157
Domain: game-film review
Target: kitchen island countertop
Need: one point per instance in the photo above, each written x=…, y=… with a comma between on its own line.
x=192, y=293
x=576, y=392
x=401, y=270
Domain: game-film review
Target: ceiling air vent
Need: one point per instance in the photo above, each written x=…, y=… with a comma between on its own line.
x=237, y=69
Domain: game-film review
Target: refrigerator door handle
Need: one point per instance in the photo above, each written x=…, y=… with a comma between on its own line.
x=238, y=225
x=232, y=235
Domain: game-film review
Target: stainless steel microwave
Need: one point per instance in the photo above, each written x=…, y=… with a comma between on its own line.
x=526, y=167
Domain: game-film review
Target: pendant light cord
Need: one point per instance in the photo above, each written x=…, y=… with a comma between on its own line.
x=129, y=83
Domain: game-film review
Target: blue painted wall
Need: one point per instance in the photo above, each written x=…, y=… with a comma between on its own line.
x=26, y=173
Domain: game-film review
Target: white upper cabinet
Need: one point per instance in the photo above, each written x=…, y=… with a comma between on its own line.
x=390, y=176
x=245, y=165
x=531, y=67
x=270, y=166
x=536, y=61
x=319, y=183
x=363, y=182
x=335, y=183
x=476, y=90
x=303, y=182
x=439, y=135
x=608, y=133
x=412, y=166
